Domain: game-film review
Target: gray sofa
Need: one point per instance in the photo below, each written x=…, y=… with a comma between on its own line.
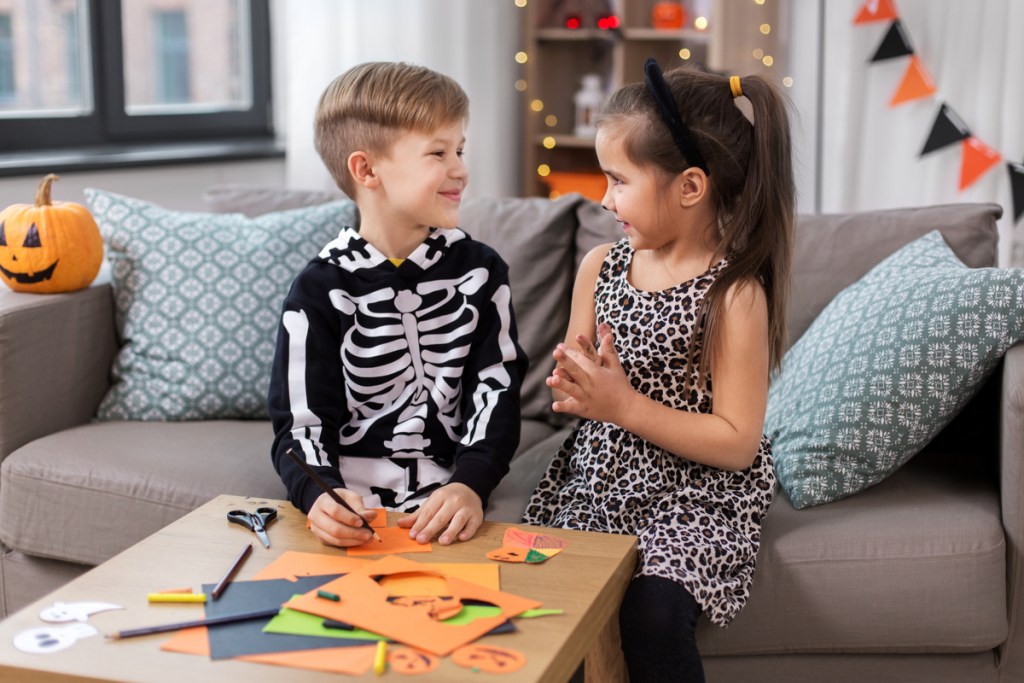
x=916, y=579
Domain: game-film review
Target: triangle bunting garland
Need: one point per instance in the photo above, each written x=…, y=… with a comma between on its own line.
x=978, y=158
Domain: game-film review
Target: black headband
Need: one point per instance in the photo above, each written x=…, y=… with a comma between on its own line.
x=666, y=104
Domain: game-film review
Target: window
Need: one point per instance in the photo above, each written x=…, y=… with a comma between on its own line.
x=132, y=71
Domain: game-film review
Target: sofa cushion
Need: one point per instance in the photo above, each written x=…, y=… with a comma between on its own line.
x=888, y=363
x=84, y=494
x=198, y=299
x=253, y=200
x=915, y=564
x=832, y=251
x=534, y=236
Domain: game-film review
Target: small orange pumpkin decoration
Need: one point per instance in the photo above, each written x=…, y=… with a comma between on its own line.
x=49, y=247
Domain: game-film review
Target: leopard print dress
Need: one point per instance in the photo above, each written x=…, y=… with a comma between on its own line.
x=699, y=526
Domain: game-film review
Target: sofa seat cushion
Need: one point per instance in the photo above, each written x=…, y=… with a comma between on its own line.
x=915, y=564
x=87, y=493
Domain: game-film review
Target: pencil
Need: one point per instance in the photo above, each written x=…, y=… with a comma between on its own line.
x=330, y=491
x=223, y=583
x=380, y=660
x=212, y=621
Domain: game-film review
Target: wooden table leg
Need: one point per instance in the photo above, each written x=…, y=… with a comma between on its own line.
x=604, y=662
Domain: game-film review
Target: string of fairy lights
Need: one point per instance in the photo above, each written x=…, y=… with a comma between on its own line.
x=697, y=17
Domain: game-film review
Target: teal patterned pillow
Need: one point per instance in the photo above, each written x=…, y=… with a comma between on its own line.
x=887, y=364
x=198, y=299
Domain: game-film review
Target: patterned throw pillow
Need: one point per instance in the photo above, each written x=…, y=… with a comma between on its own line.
x=887, y=364
x=198, y=299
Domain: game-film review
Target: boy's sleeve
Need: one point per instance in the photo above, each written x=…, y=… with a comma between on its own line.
x=305, y=401
x=490, y=400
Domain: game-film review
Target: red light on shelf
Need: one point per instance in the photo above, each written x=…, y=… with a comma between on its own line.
x=609, y=22
x=573, y=22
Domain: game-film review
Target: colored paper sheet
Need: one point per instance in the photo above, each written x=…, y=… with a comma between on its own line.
x=293, y=564
x=293, y=622
x=875, y=10
x=915, y=85
x=977, y=159
x=395, y=540
x=365, y=605
x=351, y=661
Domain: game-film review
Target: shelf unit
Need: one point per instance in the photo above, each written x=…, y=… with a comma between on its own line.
x=558, y=57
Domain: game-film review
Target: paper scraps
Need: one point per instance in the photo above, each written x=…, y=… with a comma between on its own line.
x=395, y=540
x=488, y=658
x=525, y=546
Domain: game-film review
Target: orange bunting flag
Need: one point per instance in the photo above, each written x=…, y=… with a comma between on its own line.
x=915, y=85
x=875, y=10
x=977, y=158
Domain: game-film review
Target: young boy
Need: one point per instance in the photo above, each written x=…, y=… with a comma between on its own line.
x=397, y=368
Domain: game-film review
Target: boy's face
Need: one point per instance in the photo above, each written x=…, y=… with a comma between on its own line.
x=423, y=177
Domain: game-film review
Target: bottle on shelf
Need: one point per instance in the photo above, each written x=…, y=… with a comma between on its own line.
x=587, y=100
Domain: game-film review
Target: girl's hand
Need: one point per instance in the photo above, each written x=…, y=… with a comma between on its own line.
x=454, y=511
x=334, y=525
x=595, y=384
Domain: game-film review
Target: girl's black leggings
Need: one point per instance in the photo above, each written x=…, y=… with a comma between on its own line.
x=657, y=621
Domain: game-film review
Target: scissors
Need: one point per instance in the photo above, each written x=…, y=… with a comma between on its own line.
x=255, y=522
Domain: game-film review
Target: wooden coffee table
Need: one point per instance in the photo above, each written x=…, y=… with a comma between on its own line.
x=587, y=581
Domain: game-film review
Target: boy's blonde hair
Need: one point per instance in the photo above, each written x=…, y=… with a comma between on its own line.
x=368, y=106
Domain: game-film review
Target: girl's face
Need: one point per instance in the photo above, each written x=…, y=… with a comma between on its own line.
x=634, y=193
x=423, y=176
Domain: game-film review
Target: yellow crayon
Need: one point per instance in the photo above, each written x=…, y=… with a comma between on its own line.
x=177, y=597
x=380, y=661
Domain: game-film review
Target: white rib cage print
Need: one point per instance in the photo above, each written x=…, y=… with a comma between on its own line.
x=404, y=351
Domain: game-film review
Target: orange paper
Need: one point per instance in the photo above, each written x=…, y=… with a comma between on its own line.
x=493, y=660
x=351, y=661
x=395, y=540
x=365, y=604
x=405, y=660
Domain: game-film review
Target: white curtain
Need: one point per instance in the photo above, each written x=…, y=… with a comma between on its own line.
x=472, y=41
x=870, y=152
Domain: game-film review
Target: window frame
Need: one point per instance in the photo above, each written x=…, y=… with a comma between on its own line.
x=109, y=124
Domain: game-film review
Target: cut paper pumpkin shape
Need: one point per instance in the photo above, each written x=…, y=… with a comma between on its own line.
x=490, y=659
x=405, y=660
x=365, y=604
x=525, y=546
x=436, y=607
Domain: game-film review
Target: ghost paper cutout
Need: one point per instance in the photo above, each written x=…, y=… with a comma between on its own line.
x=47, y=639
x=62, y=612
x=525, y=546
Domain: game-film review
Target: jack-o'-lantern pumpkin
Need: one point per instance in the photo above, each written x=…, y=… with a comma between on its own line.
x=668, y=15
x=49, y=247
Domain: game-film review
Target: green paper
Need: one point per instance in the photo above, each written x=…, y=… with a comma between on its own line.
x=531, y=613
x=294, y=622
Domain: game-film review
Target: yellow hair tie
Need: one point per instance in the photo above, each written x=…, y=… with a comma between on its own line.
x=734, y=85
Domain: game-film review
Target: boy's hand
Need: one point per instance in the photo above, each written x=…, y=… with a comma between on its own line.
x=334, y=525
x=453, y=510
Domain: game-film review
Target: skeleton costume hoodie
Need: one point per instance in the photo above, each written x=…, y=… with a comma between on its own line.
x=395, y=380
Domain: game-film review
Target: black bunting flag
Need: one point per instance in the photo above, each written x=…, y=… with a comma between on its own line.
x=947, y=129
x=895, y=44
x=1017, y=189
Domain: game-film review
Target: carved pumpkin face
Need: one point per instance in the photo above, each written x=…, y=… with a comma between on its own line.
x=48, y=247
x=406, y=660
x=489, y=658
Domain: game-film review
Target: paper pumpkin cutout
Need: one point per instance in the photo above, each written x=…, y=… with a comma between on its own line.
x=436, y=607
x=525, y=546
x=488, y=658
x=365, y=604
x=405, y=660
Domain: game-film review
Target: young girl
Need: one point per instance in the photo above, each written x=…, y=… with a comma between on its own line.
x=695, y=291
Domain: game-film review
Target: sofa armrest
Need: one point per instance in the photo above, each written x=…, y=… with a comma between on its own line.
x=1011, y=478
x=55, y=356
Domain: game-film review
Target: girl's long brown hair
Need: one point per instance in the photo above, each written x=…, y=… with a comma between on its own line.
x=752, y=187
